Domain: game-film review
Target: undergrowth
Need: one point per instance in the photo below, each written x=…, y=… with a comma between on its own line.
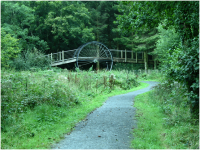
x=38, y=107
x=164, y=119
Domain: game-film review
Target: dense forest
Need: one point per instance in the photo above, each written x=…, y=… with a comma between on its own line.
x=34, y=95
x=54, y=26
x=49, y=27
x=167, y=30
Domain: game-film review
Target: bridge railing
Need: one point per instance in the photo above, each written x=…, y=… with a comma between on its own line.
x=61, y=56
x=118, y=56
x=126, y=55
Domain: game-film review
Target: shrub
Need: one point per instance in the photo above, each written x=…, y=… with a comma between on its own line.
x=30, y=60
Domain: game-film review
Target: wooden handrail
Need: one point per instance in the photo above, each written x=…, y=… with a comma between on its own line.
x=63, y=57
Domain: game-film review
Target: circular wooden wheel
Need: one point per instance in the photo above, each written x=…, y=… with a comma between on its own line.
x=93, y=53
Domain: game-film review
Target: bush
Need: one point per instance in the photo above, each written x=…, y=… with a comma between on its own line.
x=182, y=65
x=30, y=60
x=181, y=130
x=22, y=91
x=172, y=98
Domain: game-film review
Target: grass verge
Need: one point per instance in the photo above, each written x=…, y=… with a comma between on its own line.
x=163, y=121
x=148, y=134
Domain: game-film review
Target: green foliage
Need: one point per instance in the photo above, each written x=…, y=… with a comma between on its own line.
x=16, y=11
x=33, y=104
x=168, y=39
x=98, y=18
x=30, y=61
x=127, y=66
x=21, y=92
x=164, y=120
x=55, y=26
x=69, y=23
x=148, y=14
x=172, y=99
x=102, y=15
x=180, y=56
x=184, y=68
x=18, y=20
x=9, y=48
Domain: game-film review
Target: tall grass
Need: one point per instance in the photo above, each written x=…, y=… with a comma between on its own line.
x=37, y=107
x=164, y=114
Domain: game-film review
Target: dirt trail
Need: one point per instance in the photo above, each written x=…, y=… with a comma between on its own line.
x=108, y=127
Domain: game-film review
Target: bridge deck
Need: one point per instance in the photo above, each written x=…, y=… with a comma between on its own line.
x=127, y=56
x=66, y=61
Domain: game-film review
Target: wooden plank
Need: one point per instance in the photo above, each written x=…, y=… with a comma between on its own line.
x=65, y=62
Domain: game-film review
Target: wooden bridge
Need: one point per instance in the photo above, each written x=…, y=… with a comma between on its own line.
x=96, y=52
x=128, y=56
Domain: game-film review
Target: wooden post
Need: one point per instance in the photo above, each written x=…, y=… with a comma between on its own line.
x=98, y=64
x=146, y=62
x=63, y=56
x=136, y=57
x=121, y=54
x=154, y=64
x=60, y=56
x=125, y=55
x=51, y=58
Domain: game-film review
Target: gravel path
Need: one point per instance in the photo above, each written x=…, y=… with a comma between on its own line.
x=108, y=127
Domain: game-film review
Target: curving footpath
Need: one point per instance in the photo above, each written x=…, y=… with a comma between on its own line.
x=108, y=127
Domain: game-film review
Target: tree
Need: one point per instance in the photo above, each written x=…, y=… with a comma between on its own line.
x=141, y=40
x=98, y=18
x=17, y=20
x=144, y=41
x=168, y=39
x=69, y=25
x=121, y=38
x=102, y=21
x=9, y=48
x=184, y=16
